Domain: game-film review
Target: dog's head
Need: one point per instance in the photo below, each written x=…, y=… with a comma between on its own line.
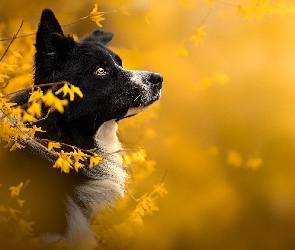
x=109, y=90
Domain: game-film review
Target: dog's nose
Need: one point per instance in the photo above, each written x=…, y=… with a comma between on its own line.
x=156, y=78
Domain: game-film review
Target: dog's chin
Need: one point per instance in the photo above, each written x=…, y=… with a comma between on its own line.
x=132, y=111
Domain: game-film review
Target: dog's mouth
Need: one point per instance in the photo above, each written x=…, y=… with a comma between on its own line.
x=134, y=110
x=124, y=117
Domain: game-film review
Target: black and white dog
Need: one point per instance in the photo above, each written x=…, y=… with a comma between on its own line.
x=110, y=93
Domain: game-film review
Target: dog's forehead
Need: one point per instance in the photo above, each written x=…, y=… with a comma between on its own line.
x=91, y=48
x=96, y=50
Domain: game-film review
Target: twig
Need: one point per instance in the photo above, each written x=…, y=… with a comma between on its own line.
x=3, y=87
x=132, y=197
x=205, y=18
x=64, y=25
x=85, y=17
x=21, y=36
x=165, y=174
x=12, y=39
x=80, y=19
x=87, y=150
x=28, y=138
x=64, y=144
x=41, y=119
x=35, y=86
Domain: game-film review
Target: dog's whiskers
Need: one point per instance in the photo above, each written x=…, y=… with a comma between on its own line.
x=136, y=98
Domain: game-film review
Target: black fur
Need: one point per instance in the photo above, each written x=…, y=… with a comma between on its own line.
x=107, y=97
x=60, y=58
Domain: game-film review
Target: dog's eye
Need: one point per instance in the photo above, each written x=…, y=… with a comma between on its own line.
x=100, y=71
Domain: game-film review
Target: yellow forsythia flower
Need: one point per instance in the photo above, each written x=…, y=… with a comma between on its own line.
x=2, y=77
x=25, y=227
x=8, y=67
x=53, y=102
x=160, y=189
x=36, y=95
x=124, y=10
x=35, y=109
x=15, y=190
x=234, y=158
x=147, y=204
x=96, y=16
x=13, y=213
x=28, y=118
x=137, y=156
x=78, y=156
x=20, y=202
x=210, y=2
x=64, y=162
x=94, y=160
x=16, y=54
x=16, y=145
x=200, y=33
x=31, y=131
x=78, y=165
x=52, y=145
x=218, y=78
x=16, y=113
x=69, y=91
x=254, y=163
x=181, y=51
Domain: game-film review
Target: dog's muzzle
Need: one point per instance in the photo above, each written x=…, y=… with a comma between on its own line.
x=152, y=86
x=149, y=88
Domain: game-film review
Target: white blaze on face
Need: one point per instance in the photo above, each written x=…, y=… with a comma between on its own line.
x=140, y=78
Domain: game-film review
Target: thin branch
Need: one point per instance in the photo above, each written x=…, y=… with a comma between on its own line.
x=198, y=25
x=118, y=151
x=165, y=174
x=64, y=25
x=65, y=145
x=41, y=119
x=28, y=138
x=32, y=34
x=43, y=147
x=80, y=19
x=85, y=17
x=132, y=197
x=21, y=36
x=12, y=39
x=35, y=86
x=205, y=18
x=3, y=87
x=91, y=151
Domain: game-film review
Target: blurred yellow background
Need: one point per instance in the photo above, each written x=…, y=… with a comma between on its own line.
x=225, y=126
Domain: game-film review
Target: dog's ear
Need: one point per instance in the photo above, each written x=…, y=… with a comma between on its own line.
x=98, y=36
x=51, y=47
x=49, y=32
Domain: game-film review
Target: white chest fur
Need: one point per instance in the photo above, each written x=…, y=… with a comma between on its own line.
x=106, y=137
x=105, y=184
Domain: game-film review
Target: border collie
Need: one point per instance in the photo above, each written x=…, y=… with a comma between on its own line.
x=110, y=93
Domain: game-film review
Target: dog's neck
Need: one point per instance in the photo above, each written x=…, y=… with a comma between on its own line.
x=105, y=180
x=106, y=137
x=70, y=131
x=102, y=184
